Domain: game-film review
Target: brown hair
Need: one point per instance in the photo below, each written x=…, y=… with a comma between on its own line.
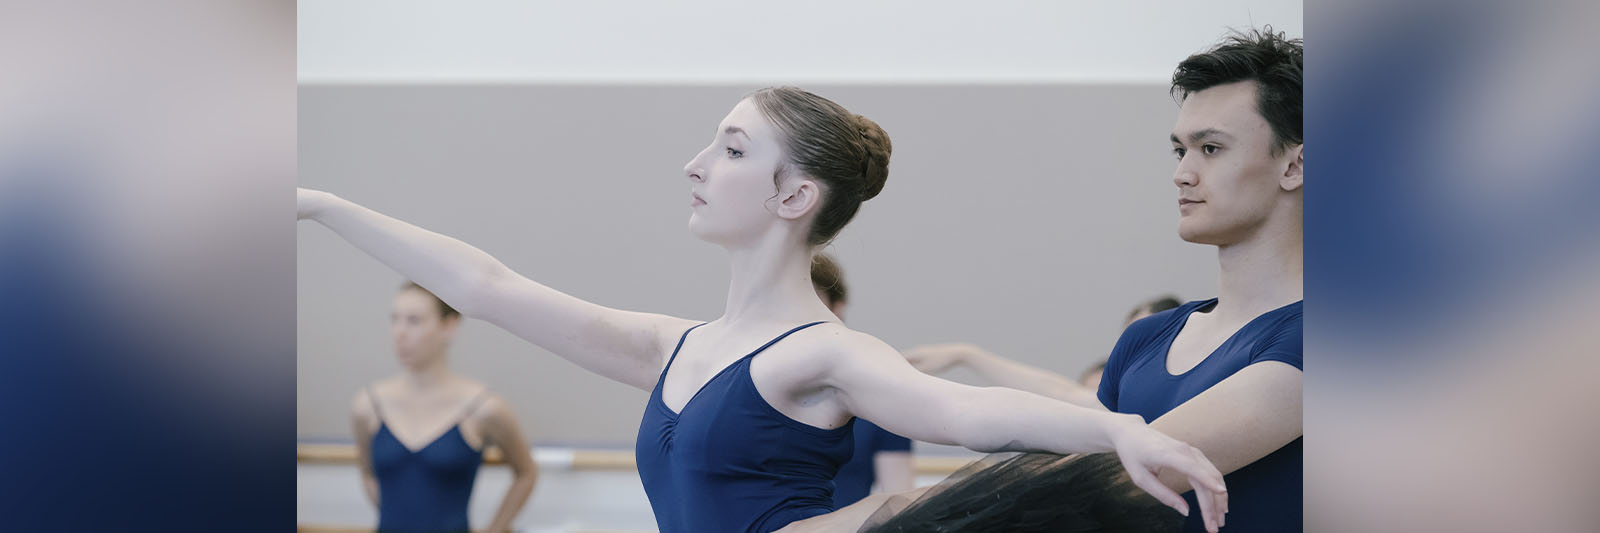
x=1098, y=366
x=827, y=279
x=847, y=152
x=1154, y=305
x=445, y=311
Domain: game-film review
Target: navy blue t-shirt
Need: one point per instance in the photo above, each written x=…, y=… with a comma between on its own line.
x=856, y=477
x=1263, y=496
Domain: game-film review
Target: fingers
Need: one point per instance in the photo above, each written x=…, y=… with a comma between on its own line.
x=1147, y=481
x=1222, y=518
x=1209, y=489
x=1212, y=478
x=1216, y=484
x=1214, y=507
x=1208, y=509
x=1211, y=492
x=1193, y=463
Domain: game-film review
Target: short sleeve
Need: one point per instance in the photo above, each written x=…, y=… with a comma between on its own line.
x=1285, y=344
x=1117, y=362
x=1135, y=337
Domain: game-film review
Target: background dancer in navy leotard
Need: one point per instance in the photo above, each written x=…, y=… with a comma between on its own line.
x=785, y=171
x=420, y=435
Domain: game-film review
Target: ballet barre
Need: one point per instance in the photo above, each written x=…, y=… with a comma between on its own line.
x=579, y=459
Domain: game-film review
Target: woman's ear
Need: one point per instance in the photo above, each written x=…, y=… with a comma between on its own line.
x=798, y=197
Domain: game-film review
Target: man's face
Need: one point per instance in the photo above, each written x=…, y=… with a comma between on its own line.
x=1229, y=180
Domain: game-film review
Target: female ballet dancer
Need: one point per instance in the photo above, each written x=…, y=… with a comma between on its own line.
x=420, y=435
x=735, y=442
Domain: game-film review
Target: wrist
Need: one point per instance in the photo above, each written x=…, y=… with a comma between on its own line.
x=1120, y=426
x=315, y=204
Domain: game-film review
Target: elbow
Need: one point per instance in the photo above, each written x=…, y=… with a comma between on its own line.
x=526, y=477
x=475, y=295
x=971, y=431
x=984, y=425
x=525, y=470
x=528, y=473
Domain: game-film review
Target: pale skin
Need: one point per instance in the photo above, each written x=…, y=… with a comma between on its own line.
x=1245, y=199
x=426, y=399
x=892, y=470
x=822, y=376
x=1005, y=372
x=1001, y=371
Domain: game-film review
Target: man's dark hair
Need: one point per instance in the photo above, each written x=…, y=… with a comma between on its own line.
x=1268, y=58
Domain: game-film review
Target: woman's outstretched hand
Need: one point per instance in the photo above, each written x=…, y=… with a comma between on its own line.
x=309, y=202
x=1145, y=453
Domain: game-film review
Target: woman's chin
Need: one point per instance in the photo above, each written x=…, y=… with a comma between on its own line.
x=702, y=233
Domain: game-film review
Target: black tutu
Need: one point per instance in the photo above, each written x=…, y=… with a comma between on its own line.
x=1034, y=492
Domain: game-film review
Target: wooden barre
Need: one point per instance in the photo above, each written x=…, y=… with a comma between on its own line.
x=588, y=459
x=346, y=454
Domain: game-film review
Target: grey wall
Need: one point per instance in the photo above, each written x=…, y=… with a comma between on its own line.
x=1028, y=219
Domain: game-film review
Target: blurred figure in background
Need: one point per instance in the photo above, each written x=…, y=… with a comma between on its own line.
x=882, y=460
x=420, y=435
x=1002, y=372
x=1090, y=378
x=1155, y=305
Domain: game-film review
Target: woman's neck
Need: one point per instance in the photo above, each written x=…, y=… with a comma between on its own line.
x=433, y=373
x=771, y=283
